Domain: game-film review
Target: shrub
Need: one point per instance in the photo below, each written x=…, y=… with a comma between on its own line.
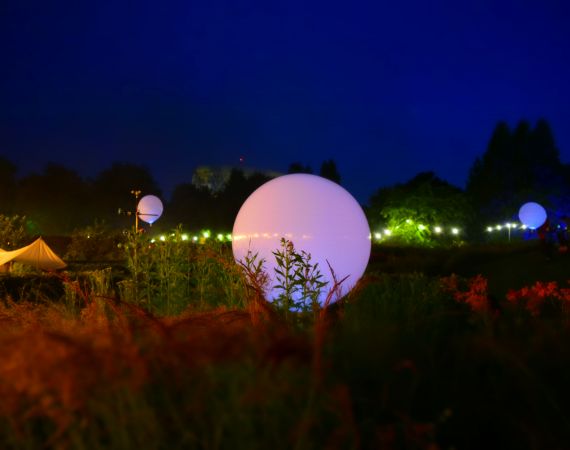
x=12, y=232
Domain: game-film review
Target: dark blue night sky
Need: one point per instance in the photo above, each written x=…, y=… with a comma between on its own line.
x=387, y=89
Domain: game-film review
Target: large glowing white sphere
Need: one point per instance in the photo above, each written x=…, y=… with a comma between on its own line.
x=149, y=208
x=532, y=215
x=317, y=216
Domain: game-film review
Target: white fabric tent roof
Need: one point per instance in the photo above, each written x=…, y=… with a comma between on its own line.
x=37, y=254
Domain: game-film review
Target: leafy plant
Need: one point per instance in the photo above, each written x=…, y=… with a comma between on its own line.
x=170, y=275
x=298, y=278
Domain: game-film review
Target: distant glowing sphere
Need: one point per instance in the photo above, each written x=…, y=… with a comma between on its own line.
x=532, y=215
x=317, y=216
x=149, y=209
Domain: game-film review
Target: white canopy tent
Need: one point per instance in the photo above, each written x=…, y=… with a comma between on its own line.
x=37, y=254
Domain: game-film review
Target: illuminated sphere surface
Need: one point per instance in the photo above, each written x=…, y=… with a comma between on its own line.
x=317, y=216
x=149, y=208
x=532, y=215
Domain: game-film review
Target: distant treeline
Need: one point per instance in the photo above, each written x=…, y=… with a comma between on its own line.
x=519, y=165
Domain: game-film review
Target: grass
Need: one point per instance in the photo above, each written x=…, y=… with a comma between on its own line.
x=406, y=361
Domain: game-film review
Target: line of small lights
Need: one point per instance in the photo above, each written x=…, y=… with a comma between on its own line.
x=438, y=230
x=506, y=226
x=203, y=236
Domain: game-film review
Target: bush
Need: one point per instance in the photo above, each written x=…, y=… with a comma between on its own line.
x=94, y=243
x=12, y=232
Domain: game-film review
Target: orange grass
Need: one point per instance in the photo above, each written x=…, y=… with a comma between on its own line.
x=53, y=364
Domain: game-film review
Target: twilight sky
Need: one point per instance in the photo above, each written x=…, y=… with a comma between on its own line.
x=386, y=89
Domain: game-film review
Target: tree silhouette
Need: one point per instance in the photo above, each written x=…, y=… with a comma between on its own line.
x=329, y=170
x=517, y=166
x=297, y=167
x=56, y=200
x=236, y=191
x=194, y=207
x=7, y=185
x=112, y=190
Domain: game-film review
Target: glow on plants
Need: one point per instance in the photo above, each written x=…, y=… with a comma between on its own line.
x=149, y=209
x=532, y=215
x=317, y=215
x=438, y=230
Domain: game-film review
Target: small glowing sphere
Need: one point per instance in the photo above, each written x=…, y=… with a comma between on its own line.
x=317, y=215
x=149, y=209
x=532, y=215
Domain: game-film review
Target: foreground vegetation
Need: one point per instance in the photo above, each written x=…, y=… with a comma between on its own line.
x=155, y=359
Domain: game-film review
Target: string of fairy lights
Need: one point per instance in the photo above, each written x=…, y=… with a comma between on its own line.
x=438, y=230
x=380, y=235
x=201, y=237
x=377, y=236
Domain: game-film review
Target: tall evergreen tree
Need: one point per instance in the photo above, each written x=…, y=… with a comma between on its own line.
x=518, y=166
x=543, y=146
x=329, y=170
x=486, y=177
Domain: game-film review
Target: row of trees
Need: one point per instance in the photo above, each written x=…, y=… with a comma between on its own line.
x=58, y=200
x=328, y=170
x=519, y=165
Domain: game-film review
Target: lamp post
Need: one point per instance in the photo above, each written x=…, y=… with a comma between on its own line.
x=136, y=193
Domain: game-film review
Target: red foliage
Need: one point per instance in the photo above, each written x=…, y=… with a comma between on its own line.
x=533, y=298
x=474, y=294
